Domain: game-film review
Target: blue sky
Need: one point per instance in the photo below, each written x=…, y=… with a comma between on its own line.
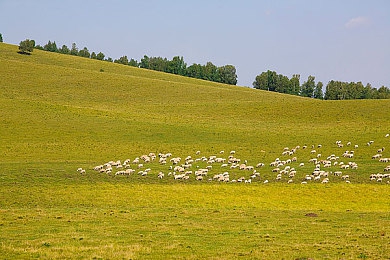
x=346, y=40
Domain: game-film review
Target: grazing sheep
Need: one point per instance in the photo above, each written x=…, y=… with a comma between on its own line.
x=259, y=165
x=81, y=170
x=98, y=168
x=178, y=176
x=338, y=173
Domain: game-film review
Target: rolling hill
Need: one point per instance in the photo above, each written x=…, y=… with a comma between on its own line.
x=59, y=113
x=64, y=108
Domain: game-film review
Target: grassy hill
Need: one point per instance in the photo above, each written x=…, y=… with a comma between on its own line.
x=62, y=112
x=63, y=108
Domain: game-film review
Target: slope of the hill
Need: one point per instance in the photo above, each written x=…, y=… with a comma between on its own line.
x=63, y=108
x=58, y=113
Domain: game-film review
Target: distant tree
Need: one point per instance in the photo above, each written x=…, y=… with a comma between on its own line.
x=283, y=84
x=331, y=91
x=133, y=63
x=26, y=46
x=318, y=92
x=227, y=74
x=122, y=60
x=383, y=92
x=261, y=81
x=100, y=56
x=1, y=37
x=210, y=72
x=367, y=91
x=266, y=81
x=64, y=49
x=308, y=87
x=84, y=53
x=109, y=59
x=93, y=55
x=144, y=62
x=177, y=66
x=158, y=63
x=74, y=50
x=39, y=47
x=195, y=71
x=51, y=46
x=295, y=84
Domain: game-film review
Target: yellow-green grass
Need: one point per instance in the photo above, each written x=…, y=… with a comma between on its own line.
x=61, y=112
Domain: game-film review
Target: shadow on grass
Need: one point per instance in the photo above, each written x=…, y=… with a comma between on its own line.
x=24, y=53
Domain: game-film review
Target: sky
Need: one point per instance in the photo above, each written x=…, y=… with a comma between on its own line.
x=345, y=40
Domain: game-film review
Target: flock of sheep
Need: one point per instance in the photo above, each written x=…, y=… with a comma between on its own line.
x=229, y=168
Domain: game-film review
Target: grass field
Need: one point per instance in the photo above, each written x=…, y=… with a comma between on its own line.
x=59, y=113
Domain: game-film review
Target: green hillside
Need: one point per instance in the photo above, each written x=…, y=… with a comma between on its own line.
x=61, y=112
x=63, y=108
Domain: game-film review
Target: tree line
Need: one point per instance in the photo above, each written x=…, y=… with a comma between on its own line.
x=224, y=74
x=268, y=80
x=334, y=90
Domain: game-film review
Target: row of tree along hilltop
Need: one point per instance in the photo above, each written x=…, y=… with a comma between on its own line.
x=269, y=80
x=224, y=74
x=334, y=90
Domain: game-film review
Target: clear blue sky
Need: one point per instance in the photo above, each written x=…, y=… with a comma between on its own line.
x=347, y=40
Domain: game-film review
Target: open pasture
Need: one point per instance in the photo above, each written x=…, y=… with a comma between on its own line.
x=60, y=113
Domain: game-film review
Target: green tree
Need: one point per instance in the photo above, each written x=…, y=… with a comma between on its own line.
x=64, y=49
x=177, y=66
x=133, y=63
x=84, y=53
x=158, y=63
x=267, y=81
x=283, y=84
x=144, y=62
x=122, y=60
x=271, y=80
x=318, y=92
x=295, y=84
x=74, y=50
x=308, y=87
x=211, y=72
x=261, y=81
x=367, y=91
x=93, y=55
x=227, y=74
x=330, y=91
x=51, y=46
x=383, y=92
x=1, y=37
x=26, y=46
x=100, y=56
x=195, y=71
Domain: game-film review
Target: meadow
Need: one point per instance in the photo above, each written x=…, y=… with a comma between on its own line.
x=59, y=113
